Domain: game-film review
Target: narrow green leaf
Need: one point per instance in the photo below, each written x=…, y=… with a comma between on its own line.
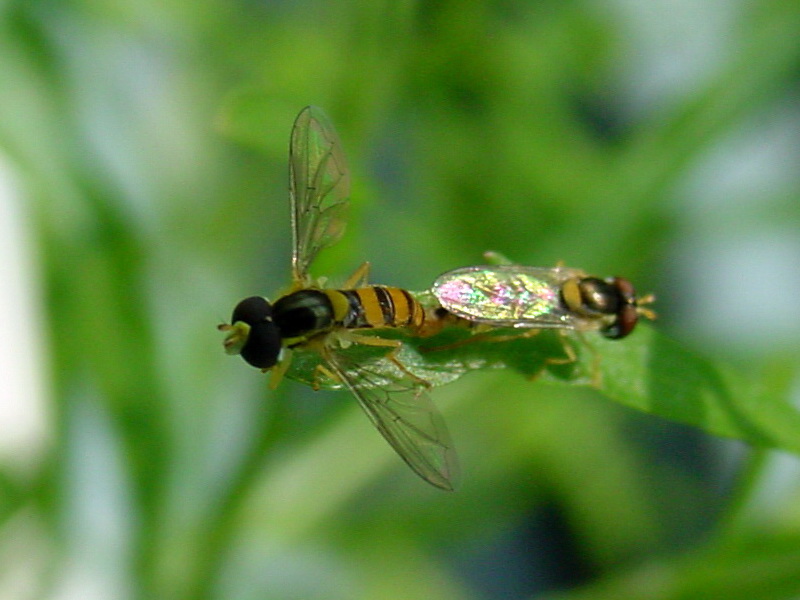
x=657, y=375
x=646, y=371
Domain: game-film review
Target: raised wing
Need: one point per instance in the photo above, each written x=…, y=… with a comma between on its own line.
x=319, y=186
x=401, y=410
x=507, y=295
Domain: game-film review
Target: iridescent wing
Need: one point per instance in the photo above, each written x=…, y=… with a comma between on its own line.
x=507, y=295
x=319, y=186
x=400, y=408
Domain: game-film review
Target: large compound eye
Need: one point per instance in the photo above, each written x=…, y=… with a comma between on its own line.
x=627, y=311
x=599, y=297
x=626, y=320
x=263, y=344
x=252, y=310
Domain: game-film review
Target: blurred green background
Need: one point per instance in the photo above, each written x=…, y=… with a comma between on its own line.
x=143, y=189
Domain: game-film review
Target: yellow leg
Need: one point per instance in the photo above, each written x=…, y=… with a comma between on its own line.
x=368, y=340
x=358, y=278
x=278, y=371
x=564, y=336
x=597, y=376
x=571, y=357
x=482, y=336
x=325, y=372
x=495, y=258
x=371, y=340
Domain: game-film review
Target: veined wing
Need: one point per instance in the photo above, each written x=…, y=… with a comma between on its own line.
x=319, y=186
x=507, y=295
x=430, y=367
x=402, y=411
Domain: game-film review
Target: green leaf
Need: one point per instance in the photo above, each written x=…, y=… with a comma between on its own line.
x=654, y=374
x=646, y=371
x=763, y=566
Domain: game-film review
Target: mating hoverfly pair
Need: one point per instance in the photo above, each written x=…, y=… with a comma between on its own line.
x=312, y=318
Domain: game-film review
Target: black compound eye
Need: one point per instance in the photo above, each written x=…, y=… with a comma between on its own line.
x=263, y=345
x=599, y=296
x=252, y=310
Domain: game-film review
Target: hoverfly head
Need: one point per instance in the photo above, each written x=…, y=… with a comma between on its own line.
x=252, y=333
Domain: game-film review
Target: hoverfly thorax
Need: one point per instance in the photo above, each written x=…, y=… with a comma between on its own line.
x=303, y=313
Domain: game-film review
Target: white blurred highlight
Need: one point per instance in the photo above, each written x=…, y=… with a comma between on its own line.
x=24, y=424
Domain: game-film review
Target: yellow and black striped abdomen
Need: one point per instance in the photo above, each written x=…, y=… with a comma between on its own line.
x=376, y=307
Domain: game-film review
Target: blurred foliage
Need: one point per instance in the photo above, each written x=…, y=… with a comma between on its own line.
x=148, y=141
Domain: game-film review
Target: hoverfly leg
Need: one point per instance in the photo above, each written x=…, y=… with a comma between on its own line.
x=482, y=334
x=358, y=278
x=495, y=258
x=395, y=346
x=569, y=352
x=596, y=377
x=369, y=340
x=569, y=355
x=323, y=371
x=392, y=356
x=279, y=370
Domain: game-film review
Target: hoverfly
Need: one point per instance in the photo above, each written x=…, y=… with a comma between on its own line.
x=312, y=318
x=517, y=296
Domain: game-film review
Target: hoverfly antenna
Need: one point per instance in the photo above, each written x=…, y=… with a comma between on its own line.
x=236, y=338
x=643, y=310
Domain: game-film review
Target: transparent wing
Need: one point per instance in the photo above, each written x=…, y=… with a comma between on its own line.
x=319, y=185
x=401, y=410
x=507, y=295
